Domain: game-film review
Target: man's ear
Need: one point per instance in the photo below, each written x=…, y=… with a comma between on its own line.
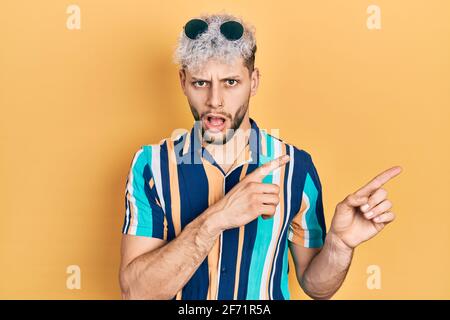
x=182, y=74
x=254, y=81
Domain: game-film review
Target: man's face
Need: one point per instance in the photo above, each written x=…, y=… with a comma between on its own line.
x=218, y=95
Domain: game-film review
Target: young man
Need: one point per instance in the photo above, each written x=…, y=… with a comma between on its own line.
x=212, y=213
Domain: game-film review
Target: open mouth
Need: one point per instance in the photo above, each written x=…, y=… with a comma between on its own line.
x=215, y=122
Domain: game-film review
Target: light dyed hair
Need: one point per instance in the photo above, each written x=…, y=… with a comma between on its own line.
x=192, y=54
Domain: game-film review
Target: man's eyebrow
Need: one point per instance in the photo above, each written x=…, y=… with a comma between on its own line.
x=231, y=77
x=225, y=78
x=198, y=79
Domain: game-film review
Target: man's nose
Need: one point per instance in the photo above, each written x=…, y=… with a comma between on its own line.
x=215, y=96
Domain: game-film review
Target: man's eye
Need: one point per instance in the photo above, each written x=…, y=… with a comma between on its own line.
x=231, y=82
x=200, y=83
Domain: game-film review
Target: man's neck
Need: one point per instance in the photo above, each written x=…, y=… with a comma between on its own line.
x=226, y=154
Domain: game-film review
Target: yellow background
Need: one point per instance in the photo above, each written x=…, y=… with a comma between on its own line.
x=76, y=105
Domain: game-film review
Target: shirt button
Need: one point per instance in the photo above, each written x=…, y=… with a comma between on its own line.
x=224, y=269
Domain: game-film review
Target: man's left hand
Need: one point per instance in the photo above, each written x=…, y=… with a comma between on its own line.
x=363, y=214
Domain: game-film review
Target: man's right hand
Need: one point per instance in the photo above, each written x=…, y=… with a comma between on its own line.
x=249, y=198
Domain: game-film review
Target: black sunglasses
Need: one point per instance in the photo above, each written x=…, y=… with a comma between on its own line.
x=231, y=30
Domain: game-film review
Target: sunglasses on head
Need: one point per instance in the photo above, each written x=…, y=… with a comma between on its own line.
x=231, y=30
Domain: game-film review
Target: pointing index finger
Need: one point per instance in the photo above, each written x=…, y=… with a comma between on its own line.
x=270, y=166
x=379, y=181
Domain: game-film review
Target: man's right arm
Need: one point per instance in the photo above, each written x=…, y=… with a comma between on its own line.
x=165, y=268
x=152, y=269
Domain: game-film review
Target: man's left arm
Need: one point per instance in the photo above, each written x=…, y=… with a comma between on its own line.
x=321, y=272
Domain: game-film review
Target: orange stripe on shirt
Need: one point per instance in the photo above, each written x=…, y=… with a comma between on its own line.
x=174, y=194
x=215, y=193
x=174, y=188
x=298, y=233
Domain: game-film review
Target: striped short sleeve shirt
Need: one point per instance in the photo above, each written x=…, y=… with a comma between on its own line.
x=171, y=183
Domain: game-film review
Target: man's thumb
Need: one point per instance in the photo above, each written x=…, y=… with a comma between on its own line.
x=355, y=201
